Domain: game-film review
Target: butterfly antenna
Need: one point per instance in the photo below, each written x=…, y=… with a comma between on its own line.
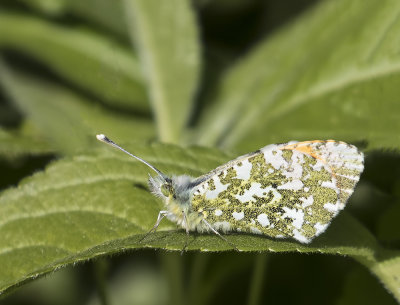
x=106, y=140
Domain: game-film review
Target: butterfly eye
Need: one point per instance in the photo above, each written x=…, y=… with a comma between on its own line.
x=166, y=189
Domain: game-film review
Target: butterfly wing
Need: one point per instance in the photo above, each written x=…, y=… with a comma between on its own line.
x=285, y=190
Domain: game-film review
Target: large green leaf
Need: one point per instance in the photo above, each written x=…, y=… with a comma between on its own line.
x=95, y=204
x=333, y=73
x=89, y=60
x=166, y=36
x=67, y=119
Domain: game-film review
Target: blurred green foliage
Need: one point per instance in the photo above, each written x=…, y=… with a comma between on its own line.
x=233, y=75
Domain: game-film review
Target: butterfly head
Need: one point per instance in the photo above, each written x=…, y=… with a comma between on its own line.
x=162, y=187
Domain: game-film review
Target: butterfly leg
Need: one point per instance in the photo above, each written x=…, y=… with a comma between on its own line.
x=161, y=215
x=216, y=232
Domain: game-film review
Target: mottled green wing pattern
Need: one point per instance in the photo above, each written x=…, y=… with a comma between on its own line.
x=286, y=190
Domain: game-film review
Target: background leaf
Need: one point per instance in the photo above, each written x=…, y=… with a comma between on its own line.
x=107, y=15
x=68, y=120
x=89, y=60
x=17, y=143
x=353, y=293
x=166, y=37
x=340, y=82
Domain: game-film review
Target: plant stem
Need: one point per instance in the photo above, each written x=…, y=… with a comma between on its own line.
x=198, y=267
x=172, y=263
x=255, y=288
x=100, y=271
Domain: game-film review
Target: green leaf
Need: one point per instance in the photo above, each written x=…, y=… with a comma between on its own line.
x=89, y=60
x=387, y=269
x=63, y=287
x=50, y=7
x=108, y=14
x=95, y=204
x=67, y=119
x=166, y=36
x=17, y=143
x=333, y=73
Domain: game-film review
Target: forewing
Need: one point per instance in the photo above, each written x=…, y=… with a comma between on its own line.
x=286, y=190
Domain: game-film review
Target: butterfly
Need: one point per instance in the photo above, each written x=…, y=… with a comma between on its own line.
x=290, y=190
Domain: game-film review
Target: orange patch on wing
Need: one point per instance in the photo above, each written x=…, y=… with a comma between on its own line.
x=305, y=148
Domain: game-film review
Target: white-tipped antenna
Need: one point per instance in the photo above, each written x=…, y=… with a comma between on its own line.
x=106, y=140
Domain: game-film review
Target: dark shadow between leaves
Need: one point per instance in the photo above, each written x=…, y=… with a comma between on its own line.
x=141, y=186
